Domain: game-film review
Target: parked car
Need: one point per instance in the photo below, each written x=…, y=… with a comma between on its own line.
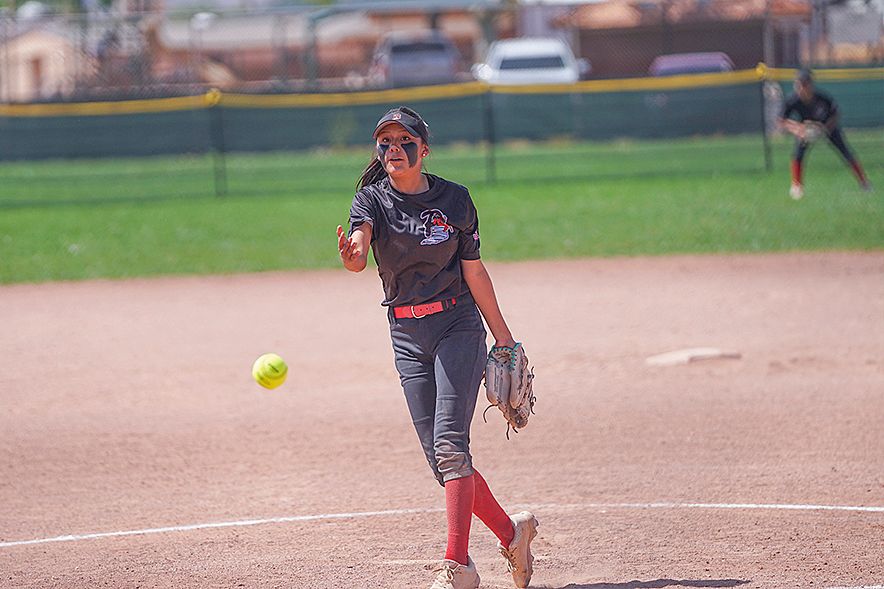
x=690, y=63
x=415, y=58
x=530, y=61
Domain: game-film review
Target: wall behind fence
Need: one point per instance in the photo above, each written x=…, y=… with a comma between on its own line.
x=651, y=108
x=276, y=123
x=105, y=135
x=705, y=104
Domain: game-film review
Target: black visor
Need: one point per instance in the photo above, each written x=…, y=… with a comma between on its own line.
x=413, y=124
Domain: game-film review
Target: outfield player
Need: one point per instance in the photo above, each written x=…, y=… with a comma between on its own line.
x=810, y=106
x=424, y=233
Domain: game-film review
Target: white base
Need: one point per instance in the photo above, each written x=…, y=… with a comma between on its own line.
x=689, y=355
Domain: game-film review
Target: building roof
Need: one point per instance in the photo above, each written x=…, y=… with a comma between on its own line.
x=230, y=32
x=630, y=13
x=292, y=29
x=17, y=29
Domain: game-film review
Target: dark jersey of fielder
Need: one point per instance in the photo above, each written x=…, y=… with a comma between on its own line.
x=418, y=240
x=821, y=108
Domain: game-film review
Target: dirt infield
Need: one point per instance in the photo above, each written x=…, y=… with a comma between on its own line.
x=129, y=420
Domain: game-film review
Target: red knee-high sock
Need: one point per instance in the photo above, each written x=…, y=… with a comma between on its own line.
x=487, y=509
x=858, y=170
x=459, y=495
x=796, y=172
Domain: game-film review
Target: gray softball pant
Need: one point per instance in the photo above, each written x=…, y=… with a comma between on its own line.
x=441, y=361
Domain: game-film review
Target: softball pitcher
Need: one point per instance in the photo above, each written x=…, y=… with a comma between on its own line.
x=817, y=114
x=424, y=233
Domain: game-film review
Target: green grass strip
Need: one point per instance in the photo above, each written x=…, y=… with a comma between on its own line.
x=157, y=216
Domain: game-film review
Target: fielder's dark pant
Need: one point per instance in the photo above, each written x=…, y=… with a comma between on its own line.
x=836, y=138
x=441, y=360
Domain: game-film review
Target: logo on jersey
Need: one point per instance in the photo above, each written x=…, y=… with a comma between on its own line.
x=436, y=227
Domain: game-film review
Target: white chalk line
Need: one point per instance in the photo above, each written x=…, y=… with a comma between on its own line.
x=397, y=512
x=231, y=524
x=796, y=507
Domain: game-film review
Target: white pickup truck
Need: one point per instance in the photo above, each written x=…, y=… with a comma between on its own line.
x=530, y=60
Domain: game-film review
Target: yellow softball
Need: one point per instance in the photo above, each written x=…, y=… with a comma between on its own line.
x=269, y=371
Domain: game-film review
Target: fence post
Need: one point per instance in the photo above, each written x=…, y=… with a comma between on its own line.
x=761, y=72
x=490, y=139
x=216, y=139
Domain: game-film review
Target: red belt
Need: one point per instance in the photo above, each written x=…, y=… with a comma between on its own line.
x=418, y=311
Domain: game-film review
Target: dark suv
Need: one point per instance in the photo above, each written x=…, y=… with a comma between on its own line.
x=415, y=58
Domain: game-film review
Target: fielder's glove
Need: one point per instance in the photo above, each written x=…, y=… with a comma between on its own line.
x=813, y=131
x=508, y=385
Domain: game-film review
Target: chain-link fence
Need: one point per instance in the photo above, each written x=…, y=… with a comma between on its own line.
x=300, y=143
x=111, y=55
x=105, y=56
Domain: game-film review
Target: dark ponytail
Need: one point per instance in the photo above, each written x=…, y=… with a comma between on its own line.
x=373, y=172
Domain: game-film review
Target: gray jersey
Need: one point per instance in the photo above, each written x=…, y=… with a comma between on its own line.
x=418, y=240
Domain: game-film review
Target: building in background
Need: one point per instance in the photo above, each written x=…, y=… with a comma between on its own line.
x=623, y=37
x=853, y=33
x=39, y=61
x=297, y=51
x=145, y=48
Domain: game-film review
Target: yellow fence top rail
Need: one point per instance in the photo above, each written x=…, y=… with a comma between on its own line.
x=122, y=107
x=424, y=93
x=353, y=98
x=829, y=75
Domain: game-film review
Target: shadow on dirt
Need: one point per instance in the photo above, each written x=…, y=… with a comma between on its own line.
x=661, y=584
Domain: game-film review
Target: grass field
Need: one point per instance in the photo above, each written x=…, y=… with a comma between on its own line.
x=122, y=218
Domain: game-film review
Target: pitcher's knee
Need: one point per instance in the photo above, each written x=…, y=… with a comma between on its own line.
x=453, y=463
x=436, y=474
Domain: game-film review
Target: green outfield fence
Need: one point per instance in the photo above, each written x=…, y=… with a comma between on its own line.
x=474, y=125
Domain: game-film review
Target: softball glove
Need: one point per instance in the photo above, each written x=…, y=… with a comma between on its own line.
x=509, y=385
x=813, y=131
